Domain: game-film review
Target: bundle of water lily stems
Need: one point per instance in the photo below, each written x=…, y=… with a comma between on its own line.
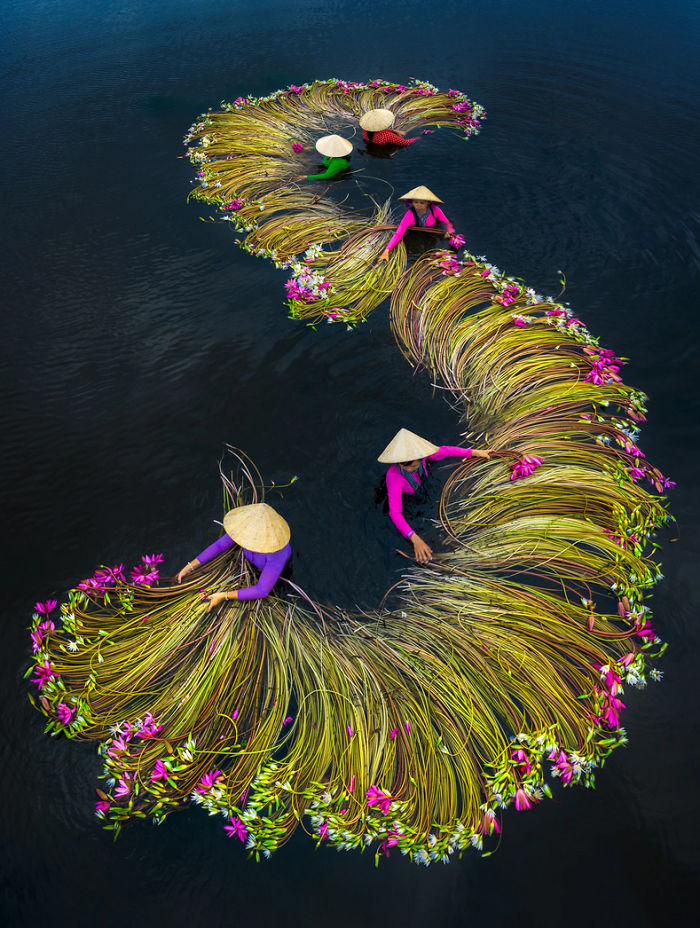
x=499, y=673
x=250, y=155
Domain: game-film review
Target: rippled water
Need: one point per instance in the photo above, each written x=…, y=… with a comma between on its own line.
x=137, y=340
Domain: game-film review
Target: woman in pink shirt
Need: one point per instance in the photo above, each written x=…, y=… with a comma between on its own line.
x=407, y=453
x=422, y=213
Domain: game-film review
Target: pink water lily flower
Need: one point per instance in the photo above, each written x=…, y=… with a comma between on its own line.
x=47, y=607
x=522, y=800
x=394, y=733
x=64, y=713
x=323, y=831
x=37, y=639
x=149, y=729
x=102, y=806
x=297, y=147
x=117, y=746
x=351, y=788
x=519, y=320
x=43, y=674
x=527, y=465
x=209, y=781
x=391, y=840
x=123, y=787
x=379, y=798
x=160, y=771
x=287, y=720
x=236, y=828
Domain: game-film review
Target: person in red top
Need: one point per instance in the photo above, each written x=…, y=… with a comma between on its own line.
x=376, y=129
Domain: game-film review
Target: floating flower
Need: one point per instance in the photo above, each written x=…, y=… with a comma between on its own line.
x=209, y=781
x=47, y=607
x=43, y=674
x=123, y=787
x=297, y=147
x=64, y=713
x=522, y=800
x=378, y=798
x=287, y=720
x=160, y=771
x=236, y=828
x=102, y=806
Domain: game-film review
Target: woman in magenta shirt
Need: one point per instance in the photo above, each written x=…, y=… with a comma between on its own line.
x=264, y=536
x=407, y=453
x=423, y=213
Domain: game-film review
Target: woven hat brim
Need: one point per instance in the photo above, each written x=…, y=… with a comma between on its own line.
x=406, y=446
x=421, y=193
x=333, y=146
x=257, y=527
x=376, y=120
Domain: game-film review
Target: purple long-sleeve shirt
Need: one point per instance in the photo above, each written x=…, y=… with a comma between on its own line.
x=435, y=215
x=397, y=485
x=270, y=565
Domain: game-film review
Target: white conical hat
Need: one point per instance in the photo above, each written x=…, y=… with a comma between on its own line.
x=421, y=193
x=257, y=527
x=333, y=146
x=406, y=446
x=376, y=120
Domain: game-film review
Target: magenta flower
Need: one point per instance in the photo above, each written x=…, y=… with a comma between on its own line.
x=235, y=715
x=297, y=147
x=287, y=720
x=390, y=841
x=209, y=781
x=149, y=729
x=37, y=639
x=102, y=806
x=236, y=828
x=522, y=800
x=123, y=787
x=489, y=823
x=144, y=574
x=47, y=607
x=456, y=241
x=350, y=732
x=323, y=831
x=43, y=674
x=233, y=205
x=295, y=89
x=527, y=465
x=394, y=733
x=519, y=320
x=64, y=713
x=408, y=727
x=379, y=798
x=118, y=746
x=153, y=559
x=522, y=760
x=160, y=771
x=351, y=788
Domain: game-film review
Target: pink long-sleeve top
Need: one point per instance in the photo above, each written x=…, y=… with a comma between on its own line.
x=397, y=484
x=433, y=215
x=270, y=565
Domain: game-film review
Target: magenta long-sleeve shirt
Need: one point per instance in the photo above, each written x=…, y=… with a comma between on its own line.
x=435, y=215
x=270, y=565
x=397, y=485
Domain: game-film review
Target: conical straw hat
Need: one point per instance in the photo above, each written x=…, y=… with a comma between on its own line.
x=406, y=446
x=376, y=120
x=257, y=527
x=333, y=146
x=421, y=193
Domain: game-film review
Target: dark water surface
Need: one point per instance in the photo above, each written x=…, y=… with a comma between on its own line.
x=137, y=340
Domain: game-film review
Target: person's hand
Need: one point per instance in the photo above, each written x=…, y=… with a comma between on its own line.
x=215, y=599
x=300, y=177
x=486, y=454
x=422, y=552
x=187, y=569
x=447, y=234
x=384, y=256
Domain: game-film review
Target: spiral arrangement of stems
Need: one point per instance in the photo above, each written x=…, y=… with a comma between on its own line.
x=248, y=167
x=410, y=728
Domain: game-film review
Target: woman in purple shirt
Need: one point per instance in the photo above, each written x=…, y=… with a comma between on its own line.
x=407, y=454
x=264, y=536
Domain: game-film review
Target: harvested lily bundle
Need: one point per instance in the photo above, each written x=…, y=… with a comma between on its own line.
x=411, y=728
x=249, y=157
x=345, y=284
